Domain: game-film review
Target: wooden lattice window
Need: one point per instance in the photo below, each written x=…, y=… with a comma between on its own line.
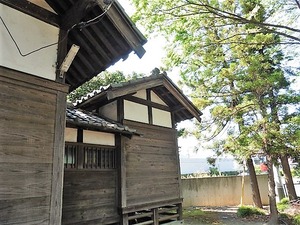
x=71, y=155
x=99, y=157
x=88, y=156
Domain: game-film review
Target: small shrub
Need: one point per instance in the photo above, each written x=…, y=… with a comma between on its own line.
x=245, y=211
x=297, y=219
x=283, y=204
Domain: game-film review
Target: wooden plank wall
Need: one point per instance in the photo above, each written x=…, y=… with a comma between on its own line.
x=89, y=197
x=27, y=140
x=151, y=165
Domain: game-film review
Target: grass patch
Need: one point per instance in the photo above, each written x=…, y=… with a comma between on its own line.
x=198, y=216
x=192, y=213
x=283, y=204
x=245, y=211
x=296, y=219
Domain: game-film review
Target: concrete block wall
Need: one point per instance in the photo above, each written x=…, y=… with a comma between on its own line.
x=221, y=191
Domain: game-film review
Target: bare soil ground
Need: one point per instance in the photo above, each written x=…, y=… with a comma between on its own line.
x=219, y=216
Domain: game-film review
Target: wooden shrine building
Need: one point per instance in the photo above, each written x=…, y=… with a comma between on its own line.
x=125, y=171
x=35, y=77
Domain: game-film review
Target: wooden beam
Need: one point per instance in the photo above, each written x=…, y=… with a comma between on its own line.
x=33, y=10
x=147, y=103
x=32, y=81
x=132, y=88
x=150, y=114
x=125, y=28
x=77, y=12
x=186, y=103
x=146, y=206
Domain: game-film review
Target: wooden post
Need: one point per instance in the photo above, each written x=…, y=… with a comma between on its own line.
x=58, y=160
x=124, y=219
x=179, y=211
x=155, y=216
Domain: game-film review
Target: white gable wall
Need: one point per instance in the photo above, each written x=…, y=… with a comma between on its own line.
x=139, y=112
x=156, y=99
x=161, y=118
x=109, y=111
x=29, y=34
x=141, y=94
x=136, y=112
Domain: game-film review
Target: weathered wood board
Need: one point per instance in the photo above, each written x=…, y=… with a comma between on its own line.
x=90, y=197
x=30, y=178
x=152, y=173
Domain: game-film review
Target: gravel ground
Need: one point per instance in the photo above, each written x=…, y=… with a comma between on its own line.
x=219, y=216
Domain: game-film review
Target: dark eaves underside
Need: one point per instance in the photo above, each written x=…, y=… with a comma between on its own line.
x=112, y=37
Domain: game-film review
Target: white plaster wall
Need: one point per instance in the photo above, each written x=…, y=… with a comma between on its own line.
x=141, y=94
x=136, y=112
x=161, y=118
x=71, y=134
x=109, y=111
x=29, y=34
x=156, y=99
x=99, y=138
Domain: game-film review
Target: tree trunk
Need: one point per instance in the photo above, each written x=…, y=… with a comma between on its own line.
x=288, y=177
x=254, y=184
x=272, y=194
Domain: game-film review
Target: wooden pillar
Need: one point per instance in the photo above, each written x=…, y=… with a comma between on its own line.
x=124, y=219
x=179, y=211
x=58, y=160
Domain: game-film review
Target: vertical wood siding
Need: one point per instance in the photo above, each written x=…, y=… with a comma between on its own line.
x=90, y=197
x=151, y=165
x=27, y=140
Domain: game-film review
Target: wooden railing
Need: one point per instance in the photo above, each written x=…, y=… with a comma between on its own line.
x=166, y=214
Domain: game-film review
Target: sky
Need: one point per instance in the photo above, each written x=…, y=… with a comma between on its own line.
x=153, y=58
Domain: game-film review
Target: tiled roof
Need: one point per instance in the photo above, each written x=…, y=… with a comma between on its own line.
x=103, y=89
x=92, y=94
x=86, y=119
x=181, y=107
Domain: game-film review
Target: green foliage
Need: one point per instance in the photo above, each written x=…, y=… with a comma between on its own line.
x=296, y=171
x=245, y=211
x=232, y=67
x=213, y=171
x=211, y=161
x=283, y=204
x=296, y=219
